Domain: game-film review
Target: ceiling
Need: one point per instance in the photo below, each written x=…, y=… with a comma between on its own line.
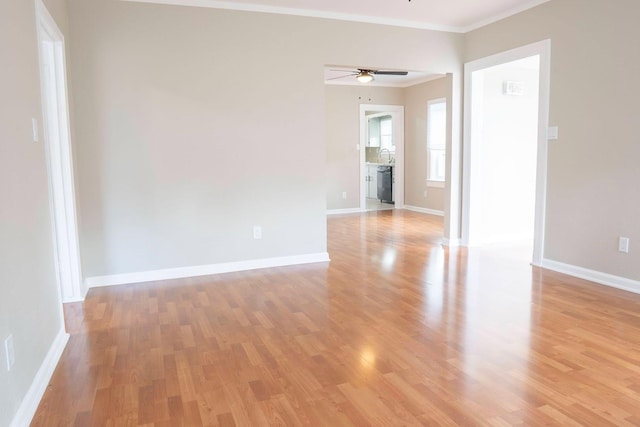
x=445, y=15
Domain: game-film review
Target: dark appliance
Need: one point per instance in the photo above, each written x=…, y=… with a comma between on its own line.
x=385, y=184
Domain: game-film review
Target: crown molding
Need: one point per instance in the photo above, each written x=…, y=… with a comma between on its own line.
x=503, y=15
x=247, y=7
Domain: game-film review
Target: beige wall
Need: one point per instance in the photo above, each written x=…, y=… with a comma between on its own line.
x=416, y=162
x=58, y=11
x=593, y=167
x=185, y=142
x=342, y=105
x=171, y=174
x=195, y=124
x=29, y=304
x=343, y=129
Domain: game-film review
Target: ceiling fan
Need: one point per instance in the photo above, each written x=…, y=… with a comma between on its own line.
x=365, y=76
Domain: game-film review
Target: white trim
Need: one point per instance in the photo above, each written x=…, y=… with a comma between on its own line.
x=79, y=298
x=430, y=102
x=378, y=115
x=543, y=151
x=453, y=173
x=452, y=243
x=593, y=276
x=56, y=129
x=203, y=270
x=31, y=400
x=424, y=210
x=344, y=211
x=397, y=115
x=248, y=7
x=514, y=11
x=543, y=49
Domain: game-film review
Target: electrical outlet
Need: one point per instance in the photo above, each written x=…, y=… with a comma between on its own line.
x=623, y=245
x=257, y=232
x=344, y=194
x=9, y=352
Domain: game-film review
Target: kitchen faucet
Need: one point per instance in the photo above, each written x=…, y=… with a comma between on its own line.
x=388, y=152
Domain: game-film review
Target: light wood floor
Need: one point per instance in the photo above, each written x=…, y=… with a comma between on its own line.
x=377, y=205
x=394, y=331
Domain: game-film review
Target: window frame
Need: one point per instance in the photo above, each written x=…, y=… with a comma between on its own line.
x=391, y=147
x=436, y=183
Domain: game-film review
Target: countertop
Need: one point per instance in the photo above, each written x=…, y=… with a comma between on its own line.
x=380, y=164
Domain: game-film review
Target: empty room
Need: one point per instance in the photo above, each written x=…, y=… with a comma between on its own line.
x=337, y=213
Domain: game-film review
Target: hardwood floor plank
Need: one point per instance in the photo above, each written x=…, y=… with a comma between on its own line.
x=396, y=330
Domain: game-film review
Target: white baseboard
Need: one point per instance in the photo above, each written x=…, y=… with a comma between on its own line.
x=423, y=210
x=203, y=270
x=593, y=276
x=344, y=211
x=72, y=300
x=452, y=243
x=75, y=299
x=32, y=399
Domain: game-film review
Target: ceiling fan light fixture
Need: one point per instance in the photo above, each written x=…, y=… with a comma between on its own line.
x=364, y=76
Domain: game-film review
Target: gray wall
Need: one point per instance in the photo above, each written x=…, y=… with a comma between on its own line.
x=342, y=127
x=195, y=124
x=416, y=162
x=592, y=195
x=171, y=174
x=29, y=304
x=177, y=159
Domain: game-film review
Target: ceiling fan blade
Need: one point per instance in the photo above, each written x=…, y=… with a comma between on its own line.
x=341, y=77
x=343, y=70
x=391, y=73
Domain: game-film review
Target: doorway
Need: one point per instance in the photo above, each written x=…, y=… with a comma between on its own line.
x=55, y=114
x=505, y=146
x=381, y=157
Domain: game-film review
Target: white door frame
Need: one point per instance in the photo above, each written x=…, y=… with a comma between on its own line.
x=397, y=117
x=55, y=115
x=471, y=150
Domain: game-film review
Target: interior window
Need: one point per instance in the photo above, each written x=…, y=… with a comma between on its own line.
x=436, y=141
x=386, y=134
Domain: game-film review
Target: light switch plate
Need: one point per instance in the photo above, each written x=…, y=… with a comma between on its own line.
x=9, y=352
x=257, y=232
x=34, y=129
x=623, y=245
x=552, y=133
